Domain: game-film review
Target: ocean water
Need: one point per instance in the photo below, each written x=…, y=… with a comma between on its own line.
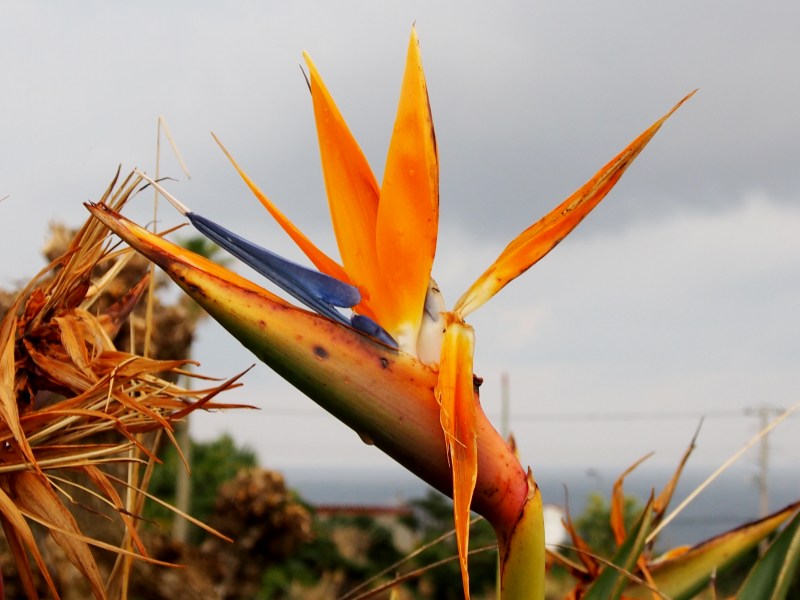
x=731, y=500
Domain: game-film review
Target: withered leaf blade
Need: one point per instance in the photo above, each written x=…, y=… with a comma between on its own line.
x=32, y=493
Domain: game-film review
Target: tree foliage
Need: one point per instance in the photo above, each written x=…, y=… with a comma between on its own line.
x=594, y=524
x=213, y=463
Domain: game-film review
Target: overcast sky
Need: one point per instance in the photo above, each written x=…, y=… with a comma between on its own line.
x=677, y=297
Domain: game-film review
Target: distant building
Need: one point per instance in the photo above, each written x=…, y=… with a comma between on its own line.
x=352, y=540
x=554, y=530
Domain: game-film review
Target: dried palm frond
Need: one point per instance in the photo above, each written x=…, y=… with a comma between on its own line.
x=76, y=409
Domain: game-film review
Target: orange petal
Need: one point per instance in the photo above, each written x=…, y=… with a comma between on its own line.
x=408, y=213
x=456, y=396
x=352, y=190
x=321, y=260
x=536, y=241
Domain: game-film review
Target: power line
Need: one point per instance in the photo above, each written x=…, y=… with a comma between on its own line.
x=657, y=415
x=673, y=415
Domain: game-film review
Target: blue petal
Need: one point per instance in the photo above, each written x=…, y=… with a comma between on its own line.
x=370, y=327
x=316, y=290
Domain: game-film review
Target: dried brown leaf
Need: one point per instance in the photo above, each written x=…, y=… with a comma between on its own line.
x=33, y=494
x=20, y=536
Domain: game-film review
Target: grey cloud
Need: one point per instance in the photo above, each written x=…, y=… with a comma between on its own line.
x=529, y=100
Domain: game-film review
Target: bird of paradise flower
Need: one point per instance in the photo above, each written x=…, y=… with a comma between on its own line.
x=399, y=370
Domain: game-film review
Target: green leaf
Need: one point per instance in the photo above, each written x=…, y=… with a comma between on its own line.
x=522, y=557
x=772, y=575
x=683, y=576
x=614, y=578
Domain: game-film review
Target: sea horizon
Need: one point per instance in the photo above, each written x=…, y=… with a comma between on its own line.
x=730, y=501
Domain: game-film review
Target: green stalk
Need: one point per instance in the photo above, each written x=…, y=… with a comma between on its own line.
x=522, y=550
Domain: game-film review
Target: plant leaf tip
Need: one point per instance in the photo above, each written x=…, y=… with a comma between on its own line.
x=179, y=206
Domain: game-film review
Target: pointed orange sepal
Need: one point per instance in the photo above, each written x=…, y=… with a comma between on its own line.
x=408, y=213
x=352, y=193
x=456, y=395
x=617, y=510
x=541, y=237
x=321, y=260
x=154, y=246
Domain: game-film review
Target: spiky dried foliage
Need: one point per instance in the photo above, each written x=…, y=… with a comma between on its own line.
x=634, y=571
x=79, y=415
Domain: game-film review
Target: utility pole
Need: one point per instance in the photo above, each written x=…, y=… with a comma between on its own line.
x=183, y=486
x=763, y=463
x=763, y=412
x=505, y=428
